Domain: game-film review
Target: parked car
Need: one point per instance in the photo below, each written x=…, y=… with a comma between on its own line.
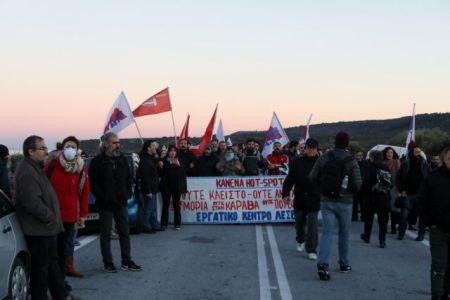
x=135, y=205
x=15, y=260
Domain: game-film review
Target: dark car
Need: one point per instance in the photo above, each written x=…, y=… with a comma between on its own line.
x=15, y=260
x=135, y=207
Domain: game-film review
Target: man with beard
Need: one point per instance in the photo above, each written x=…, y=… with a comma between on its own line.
x=412, y=173
x=187, y=158
x=214, y=145
x=434, y=161
x=252, y=160
x=220, y=152
x=206, y=163
x=111, y=181
x=292, y=151
x=277, y=160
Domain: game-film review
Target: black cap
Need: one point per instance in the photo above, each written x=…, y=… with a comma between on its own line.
x=312, y=143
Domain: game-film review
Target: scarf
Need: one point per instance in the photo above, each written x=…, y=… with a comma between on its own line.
x=72, y=166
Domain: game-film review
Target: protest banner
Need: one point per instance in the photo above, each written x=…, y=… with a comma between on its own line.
x=235, y=200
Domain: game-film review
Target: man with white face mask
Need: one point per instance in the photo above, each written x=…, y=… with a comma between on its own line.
x=69, y=178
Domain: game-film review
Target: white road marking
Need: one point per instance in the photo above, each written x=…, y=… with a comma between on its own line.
x=283, y=282
x=414, y=235
x=86, y=240
x=264, y=286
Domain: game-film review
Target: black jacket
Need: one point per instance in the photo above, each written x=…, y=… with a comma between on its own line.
x=434, y=199
x=307, y=194
x=373, y=201
x=110, y=180
x=186, y=158
x=402, y=176
x=148, y=174
x=206, y=165
x=252, y=162
x=4, y=178
x=167, y=184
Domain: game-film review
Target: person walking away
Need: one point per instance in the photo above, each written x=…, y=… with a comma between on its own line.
x=410, y=176
x=338, y=176
x=306, y=199
x=174, y=184
x=375, y=190
x=68, y=176
x=111, y=181
x=434, y=210
x=4, y=173
x=149, y=181
x=206, y=163
x=229, y=165
x=392, y=160
x=39, y=215
x=277, y=162
x=357, y=197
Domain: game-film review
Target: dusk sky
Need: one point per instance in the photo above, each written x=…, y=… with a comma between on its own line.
x=63, y=63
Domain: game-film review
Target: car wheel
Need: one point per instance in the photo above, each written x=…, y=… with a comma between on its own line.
x=18, y=281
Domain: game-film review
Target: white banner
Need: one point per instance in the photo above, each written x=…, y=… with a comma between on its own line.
x=235, y=200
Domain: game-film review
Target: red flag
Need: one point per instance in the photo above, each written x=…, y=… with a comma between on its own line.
x=156, y=104
x=184, y=132
x=207, y=136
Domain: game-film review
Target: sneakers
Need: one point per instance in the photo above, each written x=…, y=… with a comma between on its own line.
x=300, y=247
x=420, y=238
x=110, y=268
x=345, y=268
x=178, y=228
x=312, y=256
x=323, y=273
x=365, y=238
x=131, y=266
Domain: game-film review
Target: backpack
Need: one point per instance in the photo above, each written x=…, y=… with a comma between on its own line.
x=384, y=182
x=332, y=175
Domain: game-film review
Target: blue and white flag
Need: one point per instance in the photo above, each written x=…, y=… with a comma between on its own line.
x=120, y=115
x=275, y=133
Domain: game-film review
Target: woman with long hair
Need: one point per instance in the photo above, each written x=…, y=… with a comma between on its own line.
x=392, y=160
x=173, y=185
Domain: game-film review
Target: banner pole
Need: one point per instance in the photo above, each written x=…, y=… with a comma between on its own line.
x=173, y=120
x=139, y=132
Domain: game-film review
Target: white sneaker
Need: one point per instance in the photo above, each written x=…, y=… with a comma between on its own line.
x=312, y=256
x=300, y=247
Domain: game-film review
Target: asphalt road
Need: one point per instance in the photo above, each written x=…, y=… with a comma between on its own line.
x=251, y=262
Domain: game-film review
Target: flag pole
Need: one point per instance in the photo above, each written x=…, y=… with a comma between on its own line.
x=173, y=120
x=139, y=132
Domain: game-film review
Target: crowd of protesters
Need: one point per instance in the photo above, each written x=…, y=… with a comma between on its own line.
x=51, y=197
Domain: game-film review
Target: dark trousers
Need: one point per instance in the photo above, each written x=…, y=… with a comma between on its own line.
x=404, y=215
x=45, y=272
x=382, y=223
x=357, y=199
x=176, y=208
x=120, y=216
x=395, y=218
x=440, y=262
x=64, y=242
x=306, y=229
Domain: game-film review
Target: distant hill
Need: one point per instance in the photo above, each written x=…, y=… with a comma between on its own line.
x=365, y=134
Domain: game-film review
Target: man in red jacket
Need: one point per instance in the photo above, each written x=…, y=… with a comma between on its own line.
x=277, y=161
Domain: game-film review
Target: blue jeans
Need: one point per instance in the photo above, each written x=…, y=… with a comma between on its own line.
x=410, y=204
x=332, y=211
x=150, y=214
